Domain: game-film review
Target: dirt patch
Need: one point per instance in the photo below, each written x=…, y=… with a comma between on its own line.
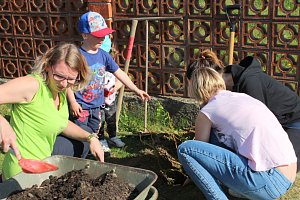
x=78, y=185
x=158, y=152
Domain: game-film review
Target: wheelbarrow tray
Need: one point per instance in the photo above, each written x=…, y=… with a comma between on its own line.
x=141, y=179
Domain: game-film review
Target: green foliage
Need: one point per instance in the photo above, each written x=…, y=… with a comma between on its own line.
x=4, y=109
x=122, y=152
x=183, y=123
x=130, y=122
x=133, y=120
x=160, y=115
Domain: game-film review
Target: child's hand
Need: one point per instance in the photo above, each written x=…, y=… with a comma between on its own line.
x=143, y=95
x=76, y=109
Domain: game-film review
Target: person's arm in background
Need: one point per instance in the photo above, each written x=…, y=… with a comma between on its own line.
x=202, y=127
x=75, y=132
x=254, y=88
x=124, y=78
x=74, y=106
x=17, y=90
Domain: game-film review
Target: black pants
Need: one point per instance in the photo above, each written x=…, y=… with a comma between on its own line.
x=69, y=147
x=110, y=120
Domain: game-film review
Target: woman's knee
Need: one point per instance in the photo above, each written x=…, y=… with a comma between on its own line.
x=187, y=146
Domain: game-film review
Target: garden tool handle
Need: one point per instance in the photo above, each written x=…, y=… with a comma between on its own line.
x=11, y=150
x=228, y=9
x=231, y=47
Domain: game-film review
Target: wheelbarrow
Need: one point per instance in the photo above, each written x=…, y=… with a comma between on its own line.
x=141, y=179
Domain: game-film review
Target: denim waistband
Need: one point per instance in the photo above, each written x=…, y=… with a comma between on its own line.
x=294, y=125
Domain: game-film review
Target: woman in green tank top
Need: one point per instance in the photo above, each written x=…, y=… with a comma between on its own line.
x=39, y=108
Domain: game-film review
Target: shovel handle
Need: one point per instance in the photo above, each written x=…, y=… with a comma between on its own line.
x=11, y=150
x=231, y=47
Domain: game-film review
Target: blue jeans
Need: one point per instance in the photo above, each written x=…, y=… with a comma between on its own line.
x=294, y=125
x=91, y=122
x=208, y=165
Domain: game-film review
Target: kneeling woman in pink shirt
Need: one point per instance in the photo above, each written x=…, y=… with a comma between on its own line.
x=258, y=162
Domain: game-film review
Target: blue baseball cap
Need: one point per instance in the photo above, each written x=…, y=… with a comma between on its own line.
x=94, y=24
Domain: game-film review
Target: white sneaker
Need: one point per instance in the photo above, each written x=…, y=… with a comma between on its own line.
x=116, y=142
x=104, y=145
x=235, y=194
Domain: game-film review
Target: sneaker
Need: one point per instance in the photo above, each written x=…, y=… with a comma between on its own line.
x=116, y=142
x=235, y=194
x=104, y=145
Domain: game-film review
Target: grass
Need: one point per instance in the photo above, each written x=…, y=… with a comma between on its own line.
x=293, y=193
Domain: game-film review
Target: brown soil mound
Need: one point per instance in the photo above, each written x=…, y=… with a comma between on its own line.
x=79, y=185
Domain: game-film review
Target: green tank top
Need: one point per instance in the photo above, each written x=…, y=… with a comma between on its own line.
x=36, y=125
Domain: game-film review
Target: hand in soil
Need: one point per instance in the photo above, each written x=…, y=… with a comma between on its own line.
x=79, y=185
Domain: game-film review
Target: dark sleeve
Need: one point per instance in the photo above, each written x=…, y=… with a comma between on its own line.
x=254, y=87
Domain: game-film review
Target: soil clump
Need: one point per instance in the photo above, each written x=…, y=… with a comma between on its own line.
x=78, y=185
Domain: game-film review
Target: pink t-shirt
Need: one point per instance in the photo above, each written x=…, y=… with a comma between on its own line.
x=251, y=129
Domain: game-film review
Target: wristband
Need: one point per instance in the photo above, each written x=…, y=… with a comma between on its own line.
x=88, y=139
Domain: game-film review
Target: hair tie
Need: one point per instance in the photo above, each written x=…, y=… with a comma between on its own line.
x=202, y=56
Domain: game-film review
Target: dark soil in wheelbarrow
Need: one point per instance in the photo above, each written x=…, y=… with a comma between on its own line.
x=79, y=185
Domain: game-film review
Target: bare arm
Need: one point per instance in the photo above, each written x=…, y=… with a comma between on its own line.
x=18, y=90
x=118, y=85
x=202, y=127
x=123, y=77
x=75, y=132
x=15, y=91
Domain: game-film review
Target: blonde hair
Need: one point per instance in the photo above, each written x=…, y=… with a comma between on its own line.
x=70, y=54
x=205, y=83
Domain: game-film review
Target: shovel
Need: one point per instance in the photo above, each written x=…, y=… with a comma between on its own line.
x=34, y=166
x=229, y=14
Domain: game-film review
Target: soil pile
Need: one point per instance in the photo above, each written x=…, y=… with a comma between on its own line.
x=79, y=185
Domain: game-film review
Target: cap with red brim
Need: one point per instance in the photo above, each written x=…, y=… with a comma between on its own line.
x=102, y=32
